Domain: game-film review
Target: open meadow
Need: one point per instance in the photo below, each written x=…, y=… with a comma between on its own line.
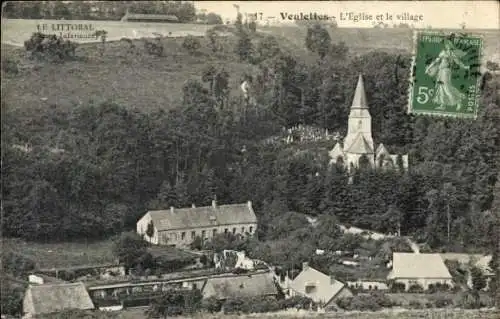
x=385, y=314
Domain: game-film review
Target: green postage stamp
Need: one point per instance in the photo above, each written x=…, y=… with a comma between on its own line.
x=445, y=75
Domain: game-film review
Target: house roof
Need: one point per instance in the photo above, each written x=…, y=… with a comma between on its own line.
x=56, y=297
x=326, y=287
x=359, y=100
x=140, y=16
x=411, y=265
x=240, y=286
x=360, y=146
x=193, y=217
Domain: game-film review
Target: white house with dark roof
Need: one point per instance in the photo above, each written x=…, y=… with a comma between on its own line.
x=421, y=269
x=180, y=226
x=358, y=146
x=45, y=299
x=318, y=286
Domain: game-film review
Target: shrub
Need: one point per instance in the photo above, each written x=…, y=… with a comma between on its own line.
x=416, y=288
x=470, y=300
x=234, y=305
x=438, y=287
x=211, y=304
x=397, y=287
x=261, y=305
x=297, y=302
x=382, y=299
x=10, y=66
x=415, y=304
x=153, y=48
x=359, y=302
x=442, y=302
x=191, y=44
x=50, y=47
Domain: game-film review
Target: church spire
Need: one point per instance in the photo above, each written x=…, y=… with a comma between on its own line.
x=359, y=100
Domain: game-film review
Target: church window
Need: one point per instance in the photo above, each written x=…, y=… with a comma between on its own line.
x=363, y=162
x=340, y=160
x=360, y=124
x=381, y=160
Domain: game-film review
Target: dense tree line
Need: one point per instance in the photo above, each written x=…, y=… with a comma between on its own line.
x=94, y=169
x=100, y=10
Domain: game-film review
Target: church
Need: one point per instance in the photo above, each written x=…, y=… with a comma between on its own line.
x=358, y=148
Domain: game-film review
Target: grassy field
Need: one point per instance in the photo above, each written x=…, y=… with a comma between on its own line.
x=62, y=254
x=386, y=314
x=133, y=79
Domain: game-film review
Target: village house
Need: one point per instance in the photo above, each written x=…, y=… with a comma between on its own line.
x=321, y=288
x=180, y=226
x=45, y=299
x=422, y=269
x=358, y=148
x=240, y=286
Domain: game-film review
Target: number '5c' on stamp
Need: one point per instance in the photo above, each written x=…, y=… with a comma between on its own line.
x=445, y=75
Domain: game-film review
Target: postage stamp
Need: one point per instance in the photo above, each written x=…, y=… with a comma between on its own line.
x=445, y=75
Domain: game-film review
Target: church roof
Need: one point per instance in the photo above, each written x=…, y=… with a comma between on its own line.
x=336, y=151
x=360, y=146
x=359, y=100
x=382, y=150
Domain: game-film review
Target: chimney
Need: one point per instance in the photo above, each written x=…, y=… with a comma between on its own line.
x=193, y=206
x=214, y=203
x=249, y=204
x=171, y=209
x=305, y=265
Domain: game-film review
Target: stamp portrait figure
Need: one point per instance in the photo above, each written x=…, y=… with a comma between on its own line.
x=445, y=94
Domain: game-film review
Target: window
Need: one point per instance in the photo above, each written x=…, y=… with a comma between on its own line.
x=310, y=289
x=183, y=235
x=193, y=234
x=234, y=230
x=203, y=234
x=251, y=229
x=214, y=232
x=242, y=230
x=225, y=230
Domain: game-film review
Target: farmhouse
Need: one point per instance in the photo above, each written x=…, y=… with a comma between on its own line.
x=358, y=149
x=179, y=227
x=44, y=299
x=421, y=269
x=319, y=287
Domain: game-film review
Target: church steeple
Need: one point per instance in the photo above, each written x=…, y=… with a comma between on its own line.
x=359, y=101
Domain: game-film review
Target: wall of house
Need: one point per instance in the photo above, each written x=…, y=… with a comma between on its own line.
x=142, y=226
x=184, y=237
x=424, y=282
x=28, y=309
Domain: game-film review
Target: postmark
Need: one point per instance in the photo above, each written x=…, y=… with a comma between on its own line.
x=445, y=77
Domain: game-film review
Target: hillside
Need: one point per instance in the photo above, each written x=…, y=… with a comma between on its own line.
x=133, y=79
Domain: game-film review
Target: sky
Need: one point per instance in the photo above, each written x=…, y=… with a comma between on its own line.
x=437, y=14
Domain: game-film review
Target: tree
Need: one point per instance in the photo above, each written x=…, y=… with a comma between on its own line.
x=478, y=279
x=129, y=248
x=318, y=40
x=213, y=38
x=268, y=48
x=244, y=47
x=213, y=18
x=191, y=44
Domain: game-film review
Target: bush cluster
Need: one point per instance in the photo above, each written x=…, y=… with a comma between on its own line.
x=10, y=66
x=261, y=304
x=191, y=44
x=438, y=287
x=50, y=47
x=366, y=302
